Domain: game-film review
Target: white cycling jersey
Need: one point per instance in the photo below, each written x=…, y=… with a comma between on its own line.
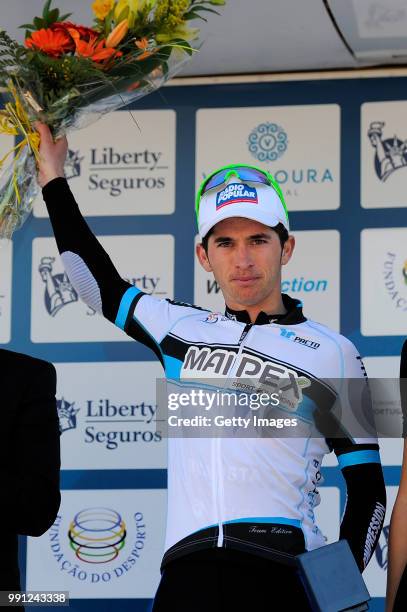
x=221, y=481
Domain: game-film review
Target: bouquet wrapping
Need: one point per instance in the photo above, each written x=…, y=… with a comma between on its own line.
x=69, y=75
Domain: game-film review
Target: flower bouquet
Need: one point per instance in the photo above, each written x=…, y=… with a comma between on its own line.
x=69, y=75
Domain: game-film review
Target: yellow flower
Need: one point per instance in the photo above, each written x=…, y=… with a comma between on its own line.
x=181, y=31
x=102, y=8
x=124, y=7
x=128, y=9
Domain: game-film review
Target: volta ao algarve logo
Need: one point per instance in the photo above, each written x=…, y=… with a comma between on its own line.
x=267, y=142
x=97, y=535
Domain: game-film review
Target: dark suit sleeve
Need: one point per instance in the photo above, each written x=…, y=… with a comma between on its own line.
x=30, y=482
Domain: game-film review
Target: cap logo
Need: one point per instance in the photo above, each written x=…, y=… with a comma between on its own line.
x=235, y=193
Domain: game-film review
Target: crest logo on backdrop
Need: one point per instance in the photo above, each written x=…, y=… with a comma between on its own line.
x=67, y=415
x=267, y=142
x=391, y=153
x=58, y=288
x=73, y=164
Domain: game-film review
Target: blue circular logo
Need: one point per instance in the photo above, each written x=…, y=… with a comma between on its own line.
x=267, y=142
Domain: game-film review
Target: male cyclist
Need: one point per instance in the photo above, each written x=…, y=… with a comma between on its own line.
x=231, y=502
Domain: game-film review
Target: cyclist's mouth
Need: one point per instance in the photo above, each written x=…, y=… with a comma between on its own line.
x=245, y=281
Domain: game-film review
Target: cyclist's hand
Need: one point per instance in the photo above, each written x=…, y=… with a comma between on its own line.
x=52, y=155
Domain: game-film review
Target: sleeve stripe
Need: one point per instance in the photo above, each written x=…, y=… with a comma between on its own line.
x=125, y=304
x=358, y=457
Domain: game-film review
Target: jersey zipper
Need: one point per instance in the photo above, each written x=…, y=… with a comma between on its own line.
x=217, y=441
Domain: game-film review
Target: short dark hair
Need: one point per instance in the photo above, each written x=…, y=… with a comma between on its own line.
x=280, y=230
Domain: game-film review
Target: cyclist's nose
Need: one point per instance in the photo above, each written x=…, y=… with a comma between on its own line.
x=243, y=256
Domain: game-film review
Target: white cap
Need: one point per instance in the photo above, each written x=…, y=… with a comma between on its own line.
x=250, y=200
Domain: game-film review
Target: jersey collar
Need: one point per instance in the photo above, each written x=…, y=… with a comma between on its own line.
x=293, y=315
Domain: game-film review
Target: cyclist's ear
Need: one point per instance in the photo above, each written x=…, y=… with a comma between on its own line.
x=288, y=249
x=203, y=257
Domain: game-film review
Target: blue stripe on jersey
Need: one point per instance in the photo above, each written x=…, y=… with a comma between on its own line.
x=172, y=367
x=357, y=457
x=125, y=304
x=266, y=519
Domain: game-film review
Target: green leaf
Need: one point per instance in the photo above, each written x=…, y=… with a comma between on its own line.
x=53, y=16
x=38, y=23
x=46, y=9
x=65, y=17
x=27, y=26
x=205, y=8
x=182, y=44
x=192, y=15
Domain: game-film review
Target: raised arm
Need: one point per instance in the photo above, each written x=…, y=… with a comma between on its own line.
x=88, y=266
x=90, y=269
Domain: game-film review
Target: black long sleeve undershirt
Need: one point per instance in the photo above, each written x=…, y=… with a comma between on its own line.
x=364, y=514
x=72, y=234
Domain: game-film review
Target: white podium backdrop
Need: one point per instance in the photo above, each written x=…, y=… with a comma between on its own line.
x=337, y=149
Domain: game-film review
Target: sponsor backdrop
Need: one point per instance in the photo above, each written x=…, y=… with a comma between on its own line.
x=338, y=149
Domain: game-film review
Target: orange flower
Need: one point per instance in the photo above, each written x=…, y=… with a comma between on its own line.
x=117, y=34
x=51, y=42
x=142, y=45
x=93, y=49
x=83, y=31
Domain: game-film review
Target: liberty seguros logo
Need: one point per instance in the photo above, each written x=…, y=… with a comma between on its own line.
x=97, y=537
x=390, y=153
x=73, y=164
x=102, y=161
x=107, y=424
x=66, y=415
x=58, y=289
